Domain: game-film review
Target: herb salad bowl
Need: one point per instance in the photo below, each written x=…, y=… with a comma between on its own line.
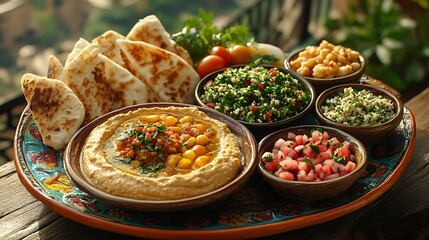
x=309, y=186
x=367, y=112
x=259, y=97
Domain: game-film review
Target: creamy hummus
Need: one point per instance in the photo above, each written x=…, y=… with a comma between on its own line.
x=161, y=154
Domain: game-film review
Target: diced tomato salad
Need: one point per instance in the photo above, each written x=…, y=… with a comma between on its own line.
x=313, y=158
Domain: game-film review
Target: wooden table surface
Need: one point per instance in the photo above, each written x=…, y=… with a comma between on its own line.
x=401, y=213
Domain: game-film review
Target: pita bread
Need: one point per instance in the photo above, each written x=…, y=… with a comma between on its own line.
x=85, y=76
x=55, y=68
x=125, y=88
x=56, y=110
x=78, y=46
x=165, y=73
x=151, y=30
x=108, y=46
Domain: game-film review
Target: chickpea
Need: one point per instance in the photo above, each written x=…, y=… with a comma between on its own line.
x=176, y=129
x=171, y=121
x=201, y=161
x=304, y=71
x=202, y=140
x=199, y=150
x=185, y=163
x=355, y=66
x=191, y=142
x=189, y=154
x=188, y=119
x=173, y=159
x=345, y=70
x=201, y=127
x=151, y=118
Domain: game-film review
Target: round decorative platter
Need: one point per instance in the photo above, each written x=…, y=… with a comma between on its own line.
x=252, y=211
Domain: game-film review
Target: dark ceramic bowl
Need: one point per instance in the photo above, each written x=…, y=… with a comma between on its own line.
x=248, y=147
x=311, y=191
x=277, y=124
x=369, y=135
x=321, y=84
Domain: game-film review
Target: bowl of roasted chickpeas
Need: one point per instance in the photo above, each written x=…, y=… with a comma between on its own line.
x=327, y=65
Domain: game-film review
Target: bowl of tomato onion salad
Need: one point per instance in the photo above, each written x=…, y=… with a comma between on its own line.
x=367, y=112
x=257, y=96
x=310, y=162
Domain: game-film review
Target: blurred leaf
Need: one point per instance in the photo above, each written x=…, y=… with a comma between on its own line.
x=395, y=47
x=414, y=72
x=383, y=54
x=392, y=43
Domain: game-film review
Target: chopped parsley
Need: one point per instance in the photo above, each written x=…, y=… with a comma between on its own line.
x=256, y=94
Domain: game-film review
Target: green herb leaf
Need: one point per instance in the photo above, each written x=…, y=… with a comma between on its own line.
x=315, y=148
x=152, y=168
x=339, y=159
x=199, y=35
x=126, y=160
x=309, y=162
x=316, y=129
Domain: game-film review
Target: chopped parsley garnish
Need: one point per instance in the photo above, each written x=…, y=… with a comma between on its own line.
x=309, y=162
x=339, y=159
x=315, y=148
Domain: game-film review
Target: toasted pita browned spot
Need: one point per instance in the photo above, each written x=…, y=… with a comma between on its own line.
x=84, y=75
x=55, y=68
x=108, y=46
x=56, y=110
x=165, y=73
x=151, y=30
x=125, y=88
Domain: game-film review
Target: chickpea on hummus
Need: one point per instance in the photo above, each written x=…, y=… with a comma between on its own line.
x=161, y=154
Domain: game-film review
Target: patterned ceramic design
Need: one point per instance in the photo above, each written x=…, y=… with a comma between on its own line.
x=253, y=211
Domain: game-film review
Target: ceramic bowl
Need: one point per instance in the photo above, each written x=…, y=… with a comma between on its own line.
x=311, y=191
x=321, y=84
x=369, y=135
x=248, y=147
x=277, y=124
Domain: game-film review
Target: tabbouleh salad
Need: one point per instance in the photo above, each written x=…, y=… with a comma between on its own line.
x=358, y=107
x=256, y=94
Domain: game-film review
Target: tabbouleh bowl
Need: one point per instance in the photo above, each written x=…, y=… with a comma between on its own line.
x=256, y=94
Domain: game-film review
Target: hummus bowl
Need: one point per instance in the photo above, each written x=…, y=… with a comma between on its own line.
x=98, y=174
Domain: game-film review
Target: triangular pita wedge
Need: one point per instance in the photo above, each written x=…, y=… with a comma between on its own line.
x=151, y=30
x=125, y=88
x=56, y=110
x=108, y=46
x=85, y=76
x=78, y=46
x=55, y=68
x=165, y=73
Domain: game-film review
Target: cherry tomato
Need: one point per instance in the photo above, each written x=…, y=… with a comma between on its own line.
x=209, y=64
x=239, y=54
x=223, y=53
